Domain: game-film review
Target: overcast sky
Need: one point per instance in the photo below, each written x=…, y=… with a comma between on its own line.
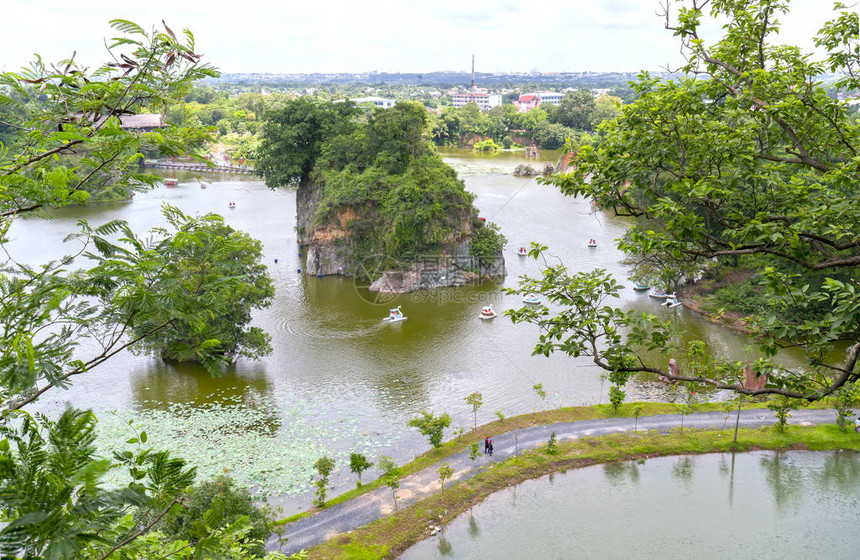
x=286, y=36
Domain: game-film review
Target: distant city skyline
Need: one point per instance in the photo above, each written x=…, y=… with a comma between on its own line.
x=265, y=36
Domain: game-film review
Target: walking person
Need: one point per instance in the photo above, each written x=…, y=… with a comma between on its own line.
x=857, y=424
x=490, y=446
x=486, y=445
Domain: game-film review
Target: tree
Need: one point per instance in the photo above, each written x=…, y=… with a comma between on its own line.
x=606, y=107
x=539, y=391
x=210, y=273
x=576, y=110
x=398, y=134
x=637, y=412
x=552, y=444
x=218, y=503
x=843, y=402
x=487, y=243
x=358, y=463
x=745, y=157
x=781, y=407
x=64, y=144
x=431, y=426
x=293, y=137
x=390, y=476
x=475, y=400
x=445, y=472
x=474, y=451
x=324, y=466
x=616, y=397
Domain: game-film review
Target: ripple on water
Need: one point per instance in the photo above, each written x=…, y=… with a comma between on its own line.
x=320, y=330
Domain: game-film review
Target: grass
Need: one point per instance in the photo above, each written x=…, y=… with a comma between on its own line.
x=390, y=536
x=493, y=429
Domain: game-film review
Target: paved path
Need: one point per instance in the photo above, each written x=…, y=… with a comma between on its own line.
x=365, y=509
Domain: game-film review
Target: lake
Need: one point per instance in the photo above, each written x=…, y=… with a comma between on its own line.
x=796, y=504
x=339, y=379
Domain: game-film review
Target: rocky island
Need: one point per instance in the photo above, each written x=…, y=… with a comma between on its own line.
x=375, y=200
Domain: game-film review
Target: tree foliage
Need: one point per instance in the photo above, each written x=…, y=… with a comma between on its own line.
x=358, y=463
x=64, y=144
x=205, y=279
x=432, y=426
x=576, y=109
x=744, y=155
x=487, y=242
x=293, y=137
x=402, y=199
x=217, y=503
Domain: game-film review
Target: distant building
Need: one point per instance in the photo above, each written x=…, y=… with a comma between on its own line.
x=527, y=102
x=532, y=100
x=378, y=101
x=484, y=101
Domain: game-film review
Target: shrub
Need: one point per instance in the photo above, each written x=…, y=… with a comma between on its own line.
x=227, y=504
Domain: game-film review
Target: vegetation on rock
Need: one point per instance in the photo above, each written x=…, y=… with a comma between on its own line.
x=381, y=179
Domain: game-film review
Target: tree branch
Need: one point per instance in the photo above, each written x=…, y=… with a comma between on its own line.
x=142, y=530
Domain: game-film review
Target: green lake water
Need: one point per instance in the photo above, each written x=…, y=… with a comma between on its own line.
x=747, y=506
x=340, y=380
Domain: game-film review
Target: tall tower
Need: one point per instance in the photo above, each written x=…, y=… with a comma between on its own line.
x=472, y=87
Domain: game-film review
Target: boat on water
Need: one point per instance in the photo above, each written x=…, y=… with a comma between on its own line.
x=171, y=182
x=531, y=298
x=658, y=294
x=202, y=185
x=671, y=301
x=231, y=204
x=640, y=287
x=592, y=242
x=395, y=315
x=522, y=251
x=487, y=312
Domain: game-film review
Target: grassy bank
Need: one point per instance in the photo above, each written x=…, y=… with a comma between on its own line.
x=388, y=537
x=493, y=429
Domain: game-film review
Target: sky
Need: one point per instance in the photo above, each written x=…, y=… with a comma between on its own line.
x=329, y=36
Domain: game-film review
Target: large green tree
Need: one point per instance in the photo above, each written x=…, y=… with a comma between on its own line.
x=293, y=138
x=576, y=110
x=58, y=320
x=745, y=156
x=208, y=278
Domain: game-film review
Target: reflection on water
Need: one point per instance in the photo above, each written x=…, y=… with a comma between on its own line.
x=618, y=474
x=672, y=507
x=784, y=478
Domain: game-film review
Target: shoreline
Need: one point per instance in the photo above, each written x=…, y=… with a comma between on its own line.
x=392, y=535
x=358, y=522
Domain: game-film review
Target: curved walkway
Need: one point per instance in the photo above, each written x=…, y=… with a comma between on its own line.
x=346, y=516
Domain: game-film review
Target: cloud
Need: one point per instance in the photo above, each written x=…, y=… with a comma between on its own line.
x=340, y=35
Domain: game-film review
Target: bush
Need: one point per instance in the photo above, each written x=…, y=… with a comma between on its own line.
x=432, y=426
x=487, y=242
x=486, y=146
x=616, y=397
x=227, y=504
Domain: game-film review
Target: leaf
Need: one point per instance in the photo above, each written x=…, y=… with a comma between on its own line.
x=169, y=31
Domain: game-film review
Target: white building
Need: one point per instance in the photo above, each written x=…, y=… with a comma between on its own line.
x=378, y=101
x=551, y=97
x=532, y=100
x=484, y=101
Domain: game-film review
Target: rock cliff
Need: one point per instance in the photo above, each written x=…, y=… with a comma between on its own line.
x=337, y=248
